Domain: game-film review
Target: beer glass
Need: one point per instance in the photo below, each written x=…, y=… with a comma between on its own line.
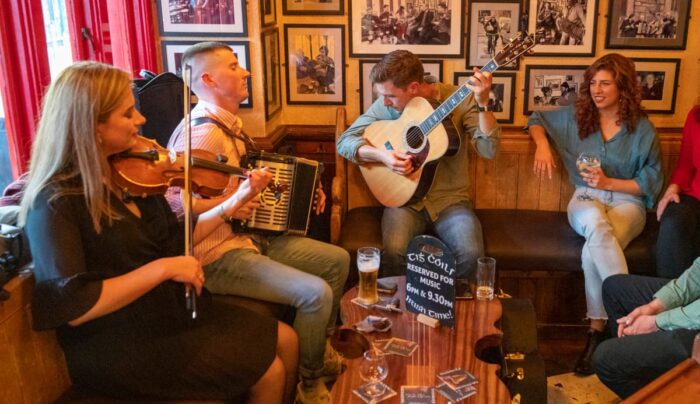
x=368, y=267
x=485, y=278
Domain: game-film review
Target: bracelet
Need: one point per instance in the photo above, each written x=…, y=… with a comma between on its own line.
x=222, y=215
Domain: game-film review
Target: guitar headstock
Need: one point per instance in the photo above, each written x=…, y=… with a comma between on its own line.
x=515, y=48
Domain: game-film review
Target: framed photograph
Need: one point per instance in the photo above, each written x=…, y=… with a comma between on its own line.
x=658, y=79
x=563, y=27
x=549, y=87
x=491, y=25
x=315, y=64
x=367, y=92
x=220, y=18
x=502, y=96
x=647, y=25
x=429, y=28
x=268, y=13
x=313, y=7
x=172, y=59
x=271, y=74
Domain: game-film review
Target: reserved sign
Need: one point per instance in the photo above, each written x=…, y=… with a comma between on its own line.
x=430, y=279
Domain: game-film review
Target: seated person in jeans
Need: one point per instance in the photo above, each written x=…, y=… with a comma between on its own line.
x=679, y=210
x=609, y=205
x=655, y=321
x=297, y=271
x=446, y=208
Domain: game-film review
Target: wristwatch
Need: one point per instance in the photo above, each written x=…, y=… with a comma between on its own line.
x=484, y=109
x=223, y=216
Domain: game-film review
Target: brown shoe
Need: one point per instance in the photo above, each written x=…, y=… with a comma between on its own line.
x=583, y=364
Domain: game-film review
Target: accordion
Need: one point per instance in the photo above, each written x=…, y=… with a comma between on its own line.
x=289, y=210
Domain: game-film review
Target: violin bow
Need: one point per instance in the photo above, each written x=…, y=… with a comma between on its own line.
x=190, y=296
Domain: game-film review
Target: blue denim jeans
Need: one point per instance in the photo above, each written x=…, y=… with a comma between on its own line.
x=457, y=226
x=627, y=364
x=297, y=271
x=608, y=222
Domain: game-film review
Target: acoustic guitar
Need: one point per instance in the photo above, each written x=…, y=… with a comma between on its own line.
x=424, y=131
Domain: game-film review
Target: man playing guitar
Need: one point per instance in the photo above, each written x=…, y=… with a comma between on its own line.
x=445, y=208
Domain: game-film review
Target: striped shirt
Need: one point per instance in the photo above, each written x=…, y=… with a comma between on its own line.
x=210, y=137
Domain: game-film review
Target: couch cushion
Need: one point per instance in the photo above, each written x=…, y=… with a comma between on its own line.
x=519, y=239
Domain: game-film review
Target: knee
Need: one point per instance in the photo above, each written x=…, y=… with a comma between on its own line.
x=287, y=339
x=318, y=294
x=612, y=285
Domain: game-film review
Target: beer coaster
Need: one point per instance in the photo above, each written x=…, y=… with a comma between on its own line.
x=457, y=378
x=417, y=395
x=456, y=395
x=386, y=393
x=401, y=347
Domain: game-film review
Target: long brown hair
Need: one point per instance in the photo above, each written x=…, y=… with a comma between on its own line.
x=65, y=148
x=625, y=76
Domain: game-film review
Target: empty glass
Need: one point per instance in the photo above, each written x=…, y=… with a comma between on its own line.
x=373, y=370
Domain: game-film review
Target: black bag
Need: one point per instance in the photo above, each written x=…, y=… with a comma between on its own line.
x=160, y=100
x=14, y=254
x=522, y=367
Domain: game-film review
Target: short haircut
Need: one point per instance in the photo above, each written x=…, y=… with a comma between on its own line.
x=401, y=67
x=202, y=48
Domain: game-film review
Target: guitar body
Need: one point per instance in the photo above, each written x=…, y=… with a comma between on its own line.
x=391, y=189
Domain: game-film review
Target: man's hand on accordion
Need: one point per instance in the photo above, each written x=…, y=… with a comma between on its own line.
x=320, y=199
x=257, y=180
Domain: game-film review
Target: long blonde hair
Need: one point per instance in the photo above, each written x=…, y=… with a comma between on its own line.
x=66, y=148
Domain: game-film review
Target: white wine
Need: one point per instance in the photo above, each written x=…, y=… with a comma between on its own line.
x=484, y=293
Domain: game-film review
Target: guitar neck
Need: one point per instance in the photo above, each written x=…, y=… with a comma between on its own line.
x=452, y=102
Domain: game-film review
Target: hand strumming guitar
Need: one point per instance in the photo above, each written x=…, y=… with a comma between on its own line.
x=399, y=162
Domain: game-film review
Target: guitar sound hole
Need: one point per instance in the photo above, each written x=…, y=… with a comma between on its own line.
x=414, y=137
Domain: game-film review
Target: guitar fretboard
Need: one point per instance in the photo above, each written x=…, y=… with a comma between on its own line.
x=452, y=102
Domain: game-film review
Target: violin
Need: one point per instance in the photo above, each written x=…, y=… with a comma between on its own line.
x=150, y=169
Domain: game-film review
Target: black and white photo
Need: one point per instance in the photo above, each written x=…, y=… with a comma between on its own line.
x=563, y=27
x=313, y=7
x=315, y=61
x=222, y=18
x=501, y=97
x=658, y=79
x=492, y=24
x=551, y=87
x=271, y=78
x=424, y=27
x=657, y=24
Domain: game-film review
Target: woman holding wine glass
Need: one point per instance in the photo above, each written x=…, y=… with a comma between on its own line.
x=612, y=194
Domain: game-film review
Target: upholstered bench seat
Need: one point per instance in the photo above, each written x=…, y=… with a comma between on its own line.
x=520, y=240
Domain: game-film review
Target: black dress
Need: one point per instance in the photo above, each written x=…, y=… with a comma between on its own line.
x=149, y=348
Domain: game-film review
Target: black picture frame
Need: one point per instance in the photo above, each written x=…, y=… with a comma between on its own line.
x=181, y=19
x=503, y=88
x=659, y=29
x=272, y=82
x=268, y=13
x=581, y=34
x=659, y=83
x=313, y=7
x=367, y=94
x=507, y=17
x=372, y=36
x=306, y=66
x=537, y=77
x=172, y=58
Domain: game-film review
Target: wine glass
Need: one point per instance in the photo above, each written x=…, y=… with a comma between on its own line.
x=373, y=370
x=586, y=161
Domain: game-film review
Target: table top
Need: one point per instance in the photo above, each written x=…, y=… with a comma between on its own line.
x=438, y=349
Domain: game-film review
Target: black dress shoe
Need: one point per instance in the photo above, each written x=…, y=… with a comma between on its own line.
x=583, y=364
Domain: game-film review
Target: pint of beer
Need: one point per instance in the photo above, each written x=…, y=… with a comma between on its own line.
x=368, y=267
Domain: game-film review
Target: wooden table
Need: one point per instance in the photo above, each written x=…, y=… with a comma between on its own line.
x=438, y=349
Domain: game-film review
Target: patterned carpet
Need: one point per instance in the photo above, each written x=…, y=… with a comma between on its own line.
x=568, y=388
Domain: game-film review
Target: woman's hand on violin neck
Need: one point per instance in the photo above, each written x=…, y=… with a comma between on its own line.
x=184, y=269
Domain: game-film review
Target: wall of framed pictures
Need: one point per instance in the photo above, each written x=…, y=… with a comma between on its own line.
x=661, y=47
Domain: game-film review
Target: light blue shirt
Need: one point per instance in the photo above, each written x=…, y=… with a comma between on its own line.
x=627, y=155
